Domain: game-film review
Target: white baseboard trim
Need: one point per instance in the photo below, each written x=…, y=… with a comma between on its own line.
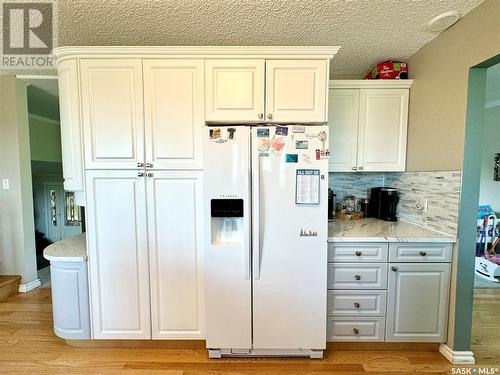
x=456, y=357
x=23, y=288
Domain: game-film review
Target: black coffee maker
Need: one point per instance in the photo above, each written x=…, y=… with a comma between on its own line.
x=383, y=203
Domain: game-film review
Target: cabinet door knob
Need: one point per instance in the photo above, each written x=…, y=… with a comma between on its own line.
x=149, y=174
x=423, y=253
x=358, y=253
x=261, y=116
x=149, y=165
x=360, y=168
x=394, y=268
x=356, y=305
x=140, y=174
x=269, y=116
x=140, y=165
x=357, y=277
x=353, y=168
x=355, y=331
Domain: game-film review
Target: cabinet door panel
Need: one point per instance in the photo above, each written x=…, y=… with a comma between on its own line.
x=343, y=111
x=296, y=90
x=174, y=113
x=174, y=217
x=383, y=119
x=234, y=90
x=71, y=127
x=417, y=302
x=112, y=99
x=118, y=255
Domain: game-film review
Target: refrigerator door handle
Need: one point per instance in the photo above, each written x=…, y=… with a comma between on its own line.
x=255, y=210
x=248, y=220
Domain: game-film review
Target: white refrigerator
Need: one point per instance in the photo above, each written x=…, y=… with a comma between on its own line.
x=266, y=194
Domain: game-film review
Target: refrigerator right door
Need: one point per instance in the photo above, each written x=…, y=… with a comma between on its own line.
x=289, y=236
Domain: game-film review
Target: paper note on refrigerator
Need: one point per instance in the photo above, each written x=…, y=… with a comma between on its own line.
x=307, y=186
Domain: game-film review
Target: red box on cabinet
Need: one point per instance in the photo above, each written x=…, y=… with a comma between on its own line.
x=389, y=70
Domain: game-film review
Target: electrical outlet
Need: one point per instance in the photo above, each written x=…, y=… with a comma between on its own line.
x=5, y=184
x=422, y=205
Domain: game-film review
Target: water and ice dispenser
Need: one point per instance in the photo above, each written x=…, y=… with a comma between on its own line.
x=226, y=221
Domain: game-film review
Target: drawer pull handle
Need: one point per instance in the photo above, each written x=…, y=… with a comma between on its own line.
x=394, y=268
x=423, y=253
x=358, y=253
x=355, y=331
x=357, y=277
x=357, y=305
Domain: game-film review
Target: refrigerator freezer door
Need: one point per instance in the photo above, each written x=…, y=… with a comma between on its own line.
x=290, y=257
x=227, y=239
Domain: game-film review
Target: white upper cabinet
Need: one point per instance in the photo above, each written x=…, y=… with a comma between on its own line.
x=112, y=111
x=343, y=123
x=417, y=302
x=296, y=90
x=383, y=122
x=234, y=90
x=175, y=202
x=117, y=245
x=368, y=125
x=71, y=127
x=174, y=113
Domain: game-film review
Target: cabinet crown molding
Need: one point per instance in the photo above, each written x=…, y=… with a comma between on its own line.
x=370, y=83
x=213, y=52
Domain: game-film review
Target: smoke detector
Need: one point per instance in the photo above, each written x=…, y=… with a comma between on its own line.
x=443, y=21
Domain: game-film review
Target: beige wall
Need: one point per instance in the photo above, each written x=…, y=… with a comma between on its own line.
x=439, y=93
x=17, y=242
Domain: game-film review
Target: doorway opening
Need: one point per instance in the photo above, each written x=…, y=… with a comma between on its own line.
x=478, y=267
x=56, y=215
x=486, y=306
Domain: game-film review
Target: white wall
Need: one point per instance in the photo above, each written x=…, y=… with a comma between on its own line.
x=17, y=240
x=489, y=189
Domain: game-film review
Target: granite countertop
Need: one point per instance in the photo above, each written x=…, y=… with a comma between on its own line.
x=374, y=230
x=71, y=249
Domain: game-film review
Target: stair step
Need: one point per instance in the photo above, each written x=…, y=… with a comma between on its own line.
x=9, y=285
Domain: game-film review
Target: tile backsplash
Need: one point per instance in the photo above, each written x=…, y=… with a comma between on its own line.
x=441, y=189
x=356, y=184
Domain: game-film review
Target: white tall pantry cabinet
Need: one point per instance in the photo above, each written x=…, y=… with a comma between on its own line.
x=131, y=121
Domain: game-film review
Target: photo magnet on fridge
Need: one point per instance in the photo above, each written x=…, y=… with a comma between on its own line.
x=263, y=144
x=298, y=129
x=302, y=145
x=230, y=132
x=291, y=158
x=281, y=130
x=261, y=133
x=214, y=133
x=277, y=145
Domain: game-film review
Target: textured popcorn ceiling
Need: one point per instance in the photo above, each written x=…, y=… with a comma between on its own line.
x=368, y=31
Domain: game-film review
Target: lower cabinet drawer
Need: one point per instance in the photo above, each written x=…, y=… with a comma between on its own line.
x=355, y=329
x=358, y=252
x=356, y=302
x=357, y=276
x=415, y=252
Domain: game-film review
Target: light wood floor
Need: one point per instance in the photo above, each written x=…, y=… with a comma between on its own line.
x=486, y=326
x=29, y=346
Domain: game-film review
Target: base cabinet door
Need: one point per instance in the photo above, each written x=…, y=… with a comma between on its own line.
x=417, y=302
x=117, y=246
x=175, y=245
